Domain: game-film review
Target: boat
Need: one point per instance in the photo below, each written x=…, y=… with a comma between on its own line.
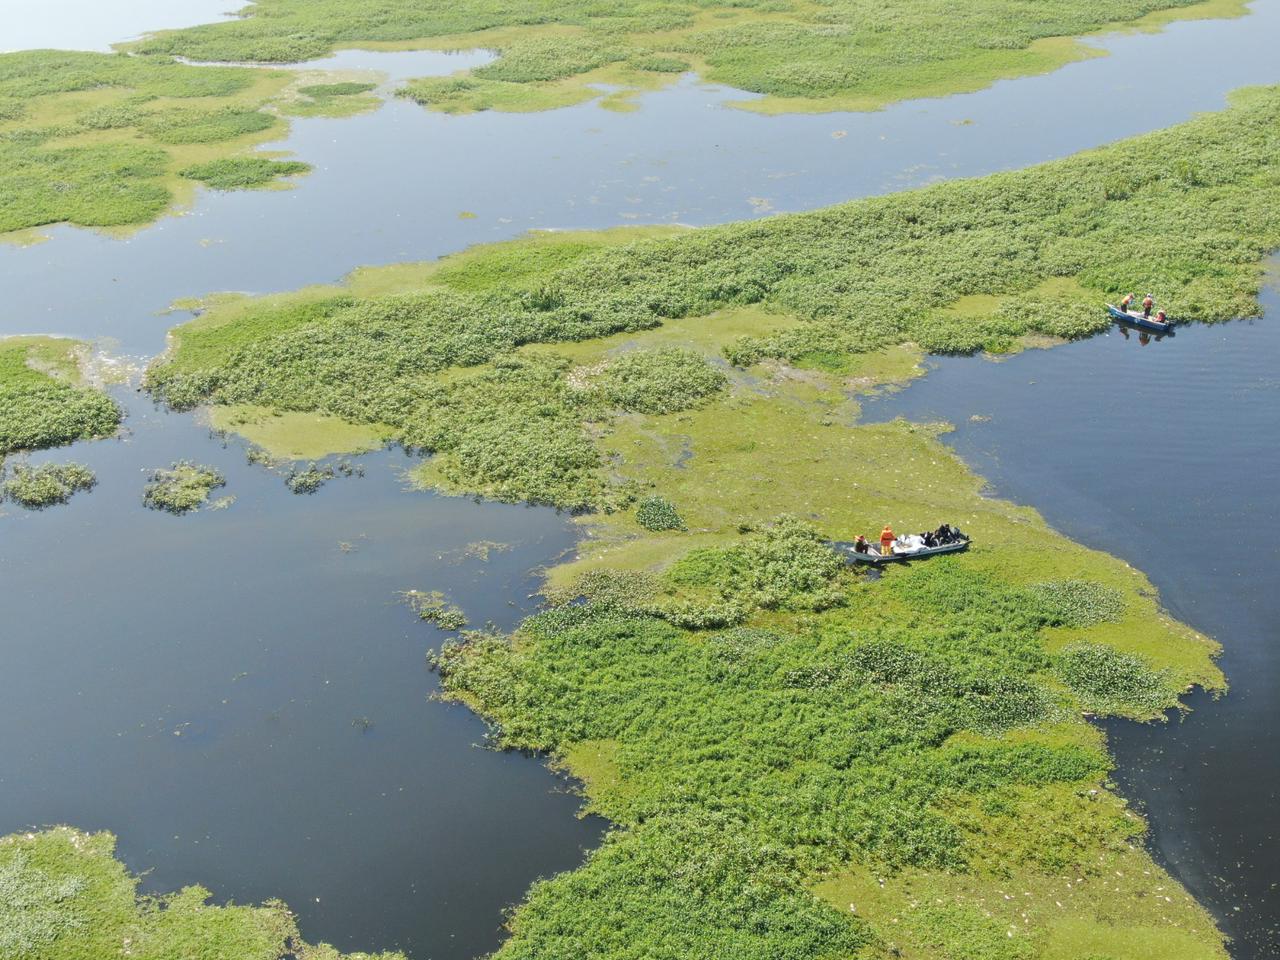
x=1138, y=320
x=852, y=556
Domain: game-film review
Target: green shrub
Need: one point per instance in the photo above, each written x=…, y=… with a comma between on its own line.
x=38, y=409
x=182, y=488
x=657, y=513
x=47, y=484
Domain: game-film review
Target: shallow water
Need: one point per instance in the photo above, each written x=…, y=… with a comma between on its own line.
x=1163, y=454
x=97, y=24
x=199, y=685
x=390, y=186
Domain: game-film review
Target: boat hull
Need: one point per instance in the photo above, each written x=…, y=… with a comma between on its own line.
x=851, y=556
x=1138, y=320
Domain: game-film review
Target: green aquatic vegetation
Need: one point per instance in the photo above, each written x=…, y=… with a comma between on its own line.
x=35, y=908
x=47, y=484
x=309, y=479
x=434, y=607
x=184, y=487
x=660, y=381
x=42, y=403
x=99, y=139
x=857, y=278
x=64, y=896
x=1110, y=682
x=185, y=125
x=657, y=513
x=339, y=99
x=1080, y=603
x=326, y=91
x=828, y=56
x=242, y=173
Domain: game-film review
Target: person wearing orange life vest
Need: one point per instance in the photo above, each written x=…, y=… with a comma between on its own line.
x=886, y=541
x=1125, y=303
x=1147, y=303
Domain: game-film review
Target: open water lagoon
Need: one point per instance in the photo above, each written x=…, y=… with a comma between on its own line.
x=240, y=696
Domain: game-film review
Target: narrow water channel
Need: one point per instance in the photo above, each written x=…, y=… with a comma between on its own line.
x=1164, y=454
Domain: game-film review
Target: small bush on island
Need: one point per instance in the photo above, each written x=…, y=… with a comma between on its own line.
x=184, y=487
x=242, y=173
x=47, y=484
x=658, y=514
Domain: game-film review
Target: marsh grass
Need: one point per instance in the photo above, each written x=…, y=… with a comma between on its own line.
x=834, y=55
x=42, y=402
x=185, y=486
x=46, y=485
x=242, y=173
x=64, y=896
x=99, y=139
x=954, y=268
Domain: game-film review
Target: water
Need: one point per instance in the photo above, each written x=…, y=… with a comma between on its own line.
x=199, y=684
x=97, y=24
x=390, y=186
x=1163, y=454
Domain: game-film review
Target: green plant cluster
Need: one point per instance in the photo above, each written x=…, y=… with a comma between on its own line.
x=1079, y=603
x=39, y=409
x=108, y=164
x=339, y=99
x=860, y=276
x=660, y=381
x=434, y=607
x=657, y=514
x=242, y=173
x=46, y=485
x=184, y=487
x=64, y=896
x=744, y=763
x=859, y=50
x=1108, y=681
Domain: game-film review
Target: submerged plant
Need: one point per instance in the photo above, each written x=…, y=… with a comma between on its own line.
x=47, y=484
x=184, y=487
x=435, y=608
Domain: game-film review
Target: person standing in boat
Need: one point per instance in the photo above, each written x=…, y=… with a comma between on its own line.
x=1126, y=302
x=1147, y=303
x=886, y=541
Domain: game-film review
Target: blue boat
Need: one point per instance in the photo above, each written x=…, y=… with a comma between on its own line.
x=1138, y=320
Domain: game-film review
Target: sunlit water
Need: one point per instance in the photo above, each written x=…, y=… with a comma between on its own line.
x=240, y=696
x=1164, y=454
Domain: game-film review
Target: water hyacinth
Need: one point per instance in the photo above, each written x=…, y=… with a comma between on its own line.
x=47, y=484
x=183, y=487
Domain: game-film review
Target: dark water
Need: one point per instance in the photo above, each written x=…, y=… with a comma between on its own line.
x=199, y=685
x=1164, y=455
x=389, y=186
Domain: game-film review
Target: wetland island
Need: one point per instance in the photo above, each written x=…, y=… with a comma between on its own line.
x=494, y=603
